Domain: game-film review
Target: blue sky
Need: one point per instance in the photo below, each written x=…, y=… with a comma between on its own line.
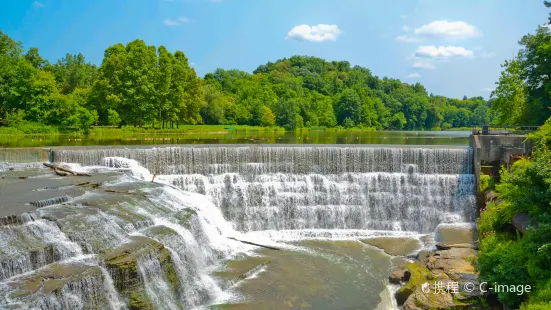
x=453, y=47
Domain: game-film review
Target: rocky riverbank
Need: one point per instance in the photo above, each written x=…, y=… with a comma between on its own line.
x=444, y=278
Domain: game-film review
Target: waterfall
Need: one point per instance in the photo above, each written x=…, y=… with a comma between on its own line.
x=33, y=245
x=311, y=187
x=157, y=287
x=160, y=243
x=253, y=160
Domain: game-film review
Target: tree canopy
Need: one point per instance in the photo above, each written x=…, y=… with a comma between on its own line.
x=523, y=92
x=137, y=83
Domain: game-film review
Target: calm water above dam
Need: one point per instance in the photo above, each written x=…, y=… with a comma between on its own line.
x=242, y=137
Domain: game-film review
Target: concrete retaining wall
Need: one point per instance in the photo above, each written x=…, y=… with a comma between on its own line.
x=497, y=149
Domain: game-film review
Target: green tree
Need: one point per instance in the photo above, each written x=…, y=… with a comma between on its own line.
x=140, y=76
x=510, y=95
x=72, y=71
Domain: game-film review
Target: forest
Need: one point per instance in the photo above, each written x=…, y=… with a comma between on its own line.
x=507, y=256
x=139, y=85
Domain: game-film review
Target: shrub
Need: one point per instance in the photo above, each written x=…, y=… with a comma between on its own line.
x=486, y=182
x=35, y=128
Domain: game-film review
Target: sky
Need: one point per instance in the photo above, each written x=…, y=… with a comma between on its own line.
x=453, y=47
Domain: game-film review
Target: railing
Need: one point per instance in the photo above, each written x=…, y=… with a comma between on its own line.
x=503, y=130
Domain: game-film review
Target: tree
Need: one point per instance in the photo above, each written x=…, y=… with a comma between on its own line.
x=140, y=76
x=349, y=106
x=35, y=59
x=166, y=68
x=398, y=121
x=522, y=95
x=113, y=117
x=72, y=71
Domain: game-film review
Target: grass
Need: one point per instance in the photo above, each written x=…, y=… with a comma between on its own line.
x=28, y=128
x=38, y=129
x=182, y=129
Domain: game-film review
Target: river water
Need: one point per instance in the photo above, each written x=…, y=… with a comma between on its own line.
x=316, y=203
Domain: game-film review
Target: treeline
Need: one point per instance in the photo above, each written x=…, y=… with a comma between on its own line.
x=138, y=84
x=308, y=92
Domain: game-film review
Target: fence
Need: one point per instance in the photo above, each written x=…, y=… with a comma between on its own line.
x=503, y=130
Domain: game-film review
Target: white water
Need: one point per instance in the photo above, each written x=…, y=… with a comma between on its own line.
x=157, y=287
x=267, y=195
x=112, y=294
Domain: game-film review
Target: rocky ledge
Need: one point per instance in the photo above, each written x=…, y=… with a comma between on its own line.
x=444, y=278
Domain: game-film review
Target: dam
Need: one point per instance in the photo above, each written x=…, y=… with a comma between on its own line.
x=163, y=224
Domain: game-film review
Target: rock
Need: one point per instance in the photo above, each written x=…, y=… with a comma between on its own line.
x=395, y=246
x=403, y=294
x=400, y=262
x=57, y=283
x=447, y=246
x=456, y=233
x=122, y=263
x=399, y=276
x=454, y=262
x=419, y=274
x=449, y=268
x=521, y=222
x=423, y=256
x=490, y=196
x=425, y=301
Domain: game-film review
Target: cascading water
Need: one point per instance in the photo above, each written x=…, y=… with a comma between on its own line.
x=160, y=244
x=290, y=188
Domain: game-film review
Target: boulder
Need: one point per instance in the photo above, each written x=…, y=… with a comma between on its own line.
x=425, y=301
x=399, y=276
x=456, y=234
x=521, y=222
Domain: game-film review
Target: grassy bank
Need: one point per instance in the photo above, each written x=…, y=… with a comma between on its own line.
x=42, y=130
x=33, y=129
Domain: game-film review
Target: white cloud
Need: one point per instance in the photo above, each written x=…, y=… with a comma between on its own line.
x=37, y=4
x=172, y=23
x=319, y=33
x=487, y=89
x=407, y=39
x=414, y=76
x=423, y=65
x=442, y=52
x=448, y=30
x=406, y=28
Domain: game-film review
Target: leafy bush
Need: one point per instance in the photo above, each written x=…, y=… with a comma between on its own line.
x=10, y=131
x=506, y=259
x=503, y=262
x=35, y=128
x=486, y=182
x=492, y=218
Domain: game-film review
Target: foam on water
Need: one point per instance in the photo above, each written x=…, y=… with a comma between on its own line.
x=273, y=196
